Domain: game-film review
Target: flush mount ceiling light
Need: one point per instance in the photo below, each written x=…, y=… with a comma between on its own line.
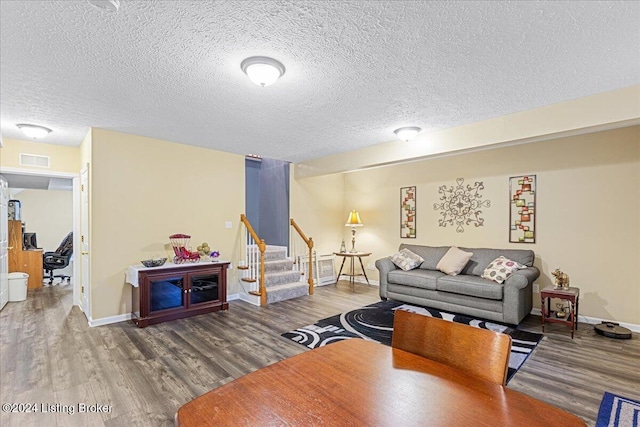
x=105, y=5
x=33, y=131
x=407, y=133
x=262, y=70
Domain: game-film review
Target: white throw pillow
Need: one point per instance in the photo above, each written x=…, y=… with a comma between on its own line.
x=454, y=261
x=406, y=260
x=500, y=269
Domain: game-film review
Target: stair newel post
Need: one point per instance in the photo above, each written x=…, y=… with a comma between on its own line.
x=262, y=289
x=310, y=263
x=309, y=242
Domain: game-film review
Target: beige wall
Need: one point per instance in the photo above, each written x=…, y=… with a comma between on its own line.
x=48, y=213
x=61, y=158
x=317, y=207
x=142, y=191
x=608, y=110
x=588, y=205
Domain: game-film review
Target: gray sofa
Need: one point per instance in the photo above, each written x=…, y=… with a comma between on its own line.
x=467, y=293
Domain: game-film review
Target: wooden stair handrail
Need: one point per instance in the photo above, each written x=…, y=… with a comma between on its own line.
x=309, y=242
x=262, y=246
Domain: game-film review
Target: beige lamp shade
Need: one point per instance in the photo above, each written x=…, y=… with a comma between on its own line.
x=354, y=219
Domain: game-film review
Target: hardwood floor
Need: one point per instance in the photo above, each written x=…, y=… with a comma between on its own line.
x=51, y=357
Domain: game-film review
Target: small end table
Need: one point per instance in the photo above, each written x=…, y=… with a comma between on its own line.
x=351, y=273
x=572, y=295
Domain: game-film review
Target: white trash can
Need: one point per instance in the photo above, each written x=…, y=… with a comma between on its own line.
x=18, y=286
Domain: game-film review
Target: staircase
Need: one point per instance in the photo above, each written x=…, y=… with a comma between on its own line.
x=269, y=272
x=281, y=280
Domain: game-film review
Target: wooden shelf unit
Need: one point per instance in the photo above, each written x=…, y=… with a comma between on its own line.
x=29, y=262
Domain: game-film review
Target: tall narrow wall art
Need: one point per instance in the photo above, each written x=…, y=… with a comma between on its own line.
x=522, y=210
x=408, y=212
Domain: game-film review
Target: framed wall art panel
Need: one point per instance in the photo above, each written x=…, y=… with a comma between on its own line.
x=522, y=209
x=408, y=212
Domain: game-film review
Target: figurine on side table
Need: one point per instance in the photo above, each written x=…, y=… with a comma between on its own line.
x=562, y=280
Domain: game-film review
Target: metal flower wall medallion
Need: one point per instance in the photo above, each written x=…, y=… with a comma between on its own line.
x=461, y=205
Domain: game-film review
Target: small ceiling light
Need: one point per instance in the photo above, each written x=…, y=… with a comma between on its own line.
x=262, y=70
x=105, y=5
x=407, y=133
x=34, y=131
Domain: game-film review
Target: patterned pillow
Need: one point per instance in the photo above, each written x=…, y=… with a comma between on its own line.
x=454, y=261
x=500, y=269
x=406, y=260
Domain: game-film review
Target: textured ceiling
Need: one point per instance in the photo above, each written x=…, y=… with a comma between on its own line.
x=356, y=70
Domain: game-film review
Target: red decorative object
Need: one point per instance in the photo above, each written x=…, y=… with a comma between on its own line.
x=180, y=243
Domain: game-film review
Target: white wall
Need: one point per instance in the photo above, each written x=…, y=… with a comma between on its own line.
x=48, y=213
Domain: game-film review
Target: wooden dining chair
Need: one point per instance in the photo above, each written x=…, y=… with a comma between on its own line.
x=480, y=352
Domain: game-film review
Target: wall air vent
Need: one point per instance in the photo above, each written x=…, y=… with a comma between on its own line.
x=34, y=160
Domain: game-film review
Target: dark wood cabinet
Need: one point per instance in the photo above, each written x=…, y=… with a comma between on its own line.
x=178, y=291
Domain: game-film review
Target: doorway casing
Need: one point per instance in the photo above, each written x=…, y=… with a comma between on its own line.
x=76, y=222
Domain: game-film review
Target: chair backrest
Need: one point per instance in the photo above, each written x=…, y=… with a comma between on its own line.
x=479, y=352
x=66, y=247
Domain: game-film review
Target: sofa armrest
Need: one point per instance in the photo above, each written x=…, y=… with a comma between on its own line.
x=518, y=295
x=521, y=278
x=384, y=266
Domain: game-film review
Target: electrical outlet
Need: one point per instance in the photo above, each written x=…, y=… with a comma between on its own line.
x=536, y=288
x=371, y=267
x=227, y=224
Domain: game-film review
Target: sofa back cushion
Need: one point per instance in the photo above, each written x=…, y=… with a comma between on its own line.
x=482, y=257
x=431, y=254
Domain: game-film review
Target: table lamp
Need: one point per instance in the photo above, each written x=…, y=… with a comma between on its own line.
x=353, y=221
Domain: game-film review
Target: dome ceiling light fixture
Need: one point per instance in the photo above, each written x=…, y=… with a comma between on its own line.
x=105, y=5
x=33, y=131
x=407, y=133
x=262, y=70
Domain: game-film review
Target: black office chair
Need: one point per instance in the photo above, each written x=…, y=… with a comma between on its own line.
x=58, y=259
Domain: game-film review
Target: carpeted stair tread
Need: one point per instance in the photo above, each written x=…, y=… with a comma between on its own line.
x=273, y=253
x=278, y=265
x=281, y=277
x=287, y=291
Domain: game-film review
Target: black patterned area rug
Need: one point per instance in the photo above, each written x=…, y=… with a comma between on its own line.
x=375, y=323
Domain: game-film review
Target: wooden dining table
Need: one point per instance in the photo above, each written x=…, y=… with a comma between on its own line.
x=361, y=383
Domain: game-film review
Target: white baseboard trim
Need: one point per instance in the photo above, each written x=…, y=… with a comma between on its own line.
x=233, y=297
x=251, y=299
x=108, y=320
x=364, y=281
x=595, y=320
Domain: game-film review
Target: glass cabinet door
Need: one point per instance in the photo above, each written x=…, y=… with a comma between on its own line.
x=166, y=293
x=204, y=288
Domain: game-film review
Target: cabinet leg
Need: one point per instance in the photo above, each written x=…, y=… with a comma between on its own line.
x=542, y=309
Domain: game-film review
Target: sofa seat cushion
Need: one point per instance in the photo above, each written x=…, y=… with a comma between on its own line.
x=470, y=285
x=425, y=279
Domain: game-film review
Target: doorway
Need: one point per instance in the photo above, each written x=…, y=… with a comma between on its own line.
x=267, y=199
x=32, y=179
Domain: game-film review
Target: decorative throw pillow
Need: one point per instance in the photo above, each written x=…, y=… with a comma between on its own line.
x=406, y=260
x=500, y=269
x=454, y=261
